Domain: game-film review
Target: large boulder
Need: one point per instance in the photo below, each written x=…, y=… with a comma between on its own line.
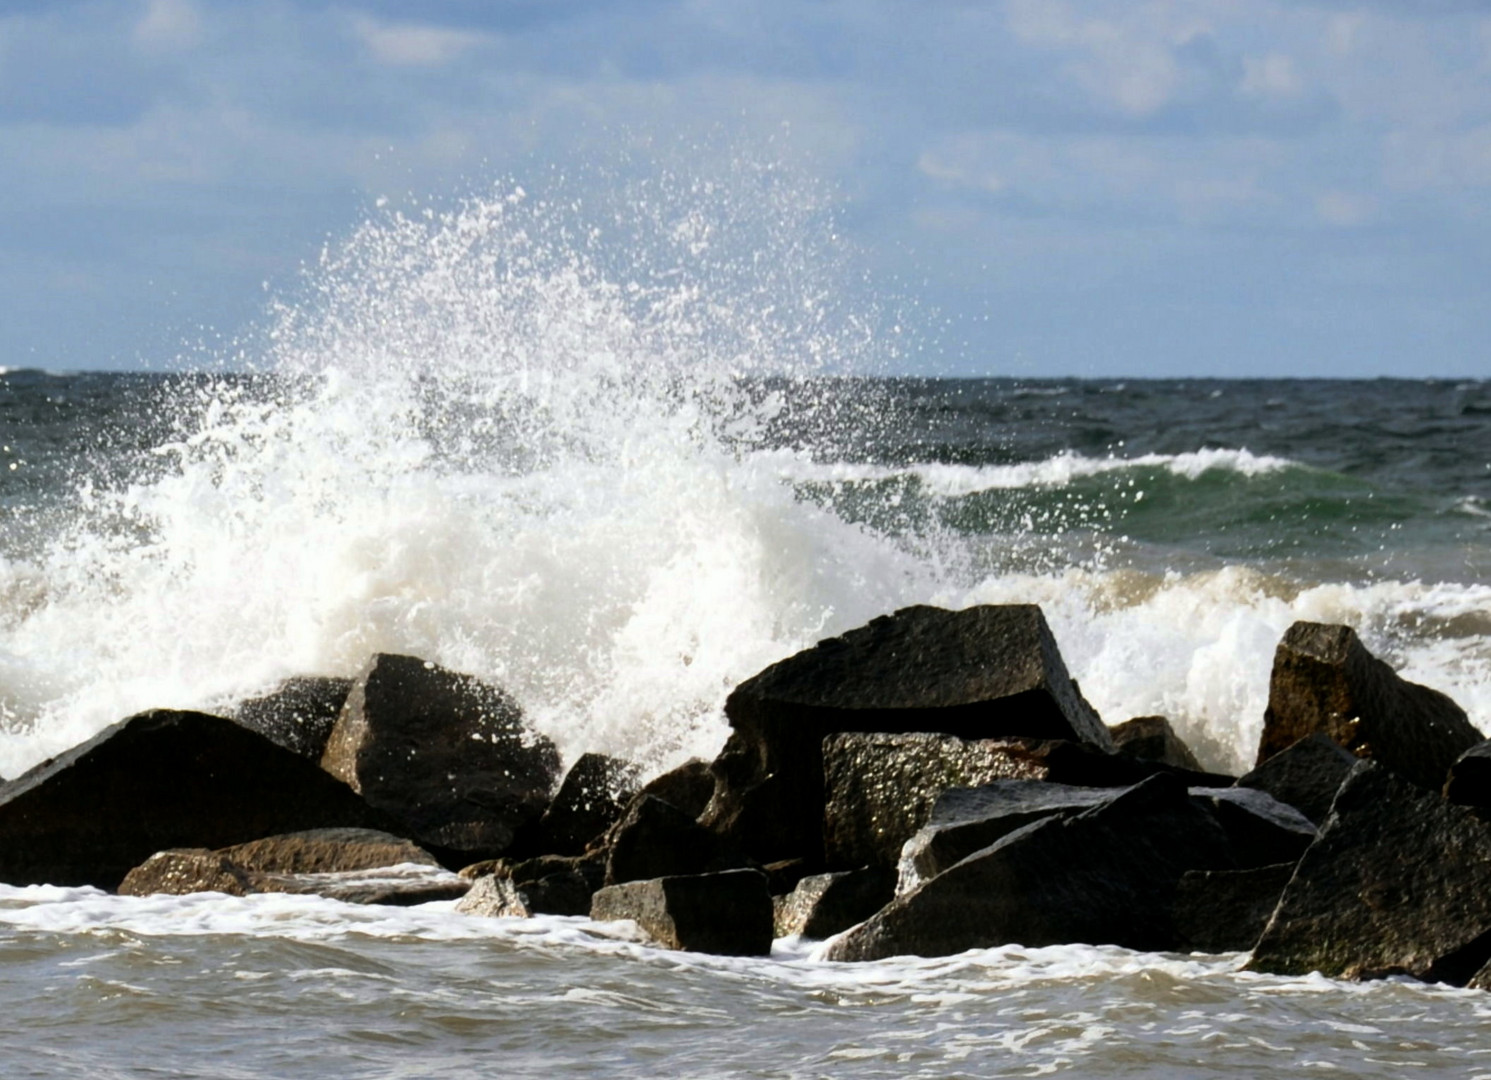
x=822, y=905
x=980, y=673
x=1398, y=882
x=1151, y=738
x=1107, y=875
x=689, y=787
x=158, y=780
x=1469, y=781
x=655, y=839
x=728, y=913
x=363, y=866
x=1226, y=910
x=1261, y=830
x=1304, y=775
x=594, y=794
x=880, y=788
x=298, y=714
x=1324, y=680
x=444, y=754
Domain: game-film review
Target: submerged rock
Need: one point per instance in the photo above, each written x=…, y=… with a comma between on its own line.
x=825, y=904
x=160, y=780
x=444, y=754
x=1324, y=680
x=298, y=714
x=728, y=913
x=1151, y=738
x=1398, y=882
x=1107, y=875
x=1304, y=775
x=980, y=673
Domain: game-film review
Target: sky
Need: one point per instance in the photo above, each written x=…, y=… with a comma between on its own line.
x=1048, y=188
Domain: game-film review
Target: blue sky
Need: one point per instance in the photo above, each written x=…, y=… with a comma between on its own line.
x=1214, y=187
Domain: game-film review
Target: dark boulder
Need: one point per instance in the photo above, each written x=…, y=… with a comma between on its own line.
x=1304, y=775
x=655, y=839
x=1469, y=782
x=298, y=714
x=825, y=904
x=728, y=913
x=880, y=788
x=1151, y=738
x=595, y=792
x=1226, y=910
x=688, y=787
x=1261, y=830
x=1107, y=875
x=563, y=892
x=155, y=781
x=1398, y=882
x=444, y=754
x=1324, y=680
x=979, y=673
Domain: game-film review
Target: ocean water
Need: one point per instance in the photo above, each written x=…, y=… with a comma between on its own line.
x=619, y=459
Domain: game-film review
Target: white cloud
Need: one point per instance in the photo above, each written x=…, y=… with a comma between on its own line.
x=1273, y=75
x=413, y=44
x=168, y=26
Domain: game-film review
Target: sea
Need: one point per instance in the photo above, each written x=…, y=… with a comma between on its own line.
x=619, y=460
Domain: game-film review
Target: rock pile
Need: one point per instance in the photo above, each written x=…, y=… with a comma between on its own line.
x=931, y=782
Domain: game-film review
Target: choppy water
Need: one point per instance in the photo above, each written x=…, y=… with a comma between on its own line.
x=616, y=463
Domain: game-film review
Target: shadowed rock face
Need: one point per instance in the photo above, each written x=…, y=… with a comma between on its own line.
x=1469, y=781
x=729, y=913
x=1151, y=738
x=595, y=792
x=298, y=714
x=445, y=755
x=825, y=904
x=981, y=673
x=158, y=780
x=1398, y=882
x=1324, y=680
x=1305, y=775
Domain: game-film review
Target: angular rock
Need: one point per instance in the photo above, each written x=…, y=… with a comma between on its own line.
x=1324, y=680
x=1398, y=882
x=548, y=885
x=825, y=904
x=1151, y=738
x=688, y=787
x=655, y=839
x=728, y=913
x=298, y=714
x=1226, y=910
x=442, y=753
x=1304, y=775
x=1262, y=830
x=983, y=672
x=782, y=877
x=592, y=797
x=1107, y=875
x=880, y=788
x=1469, y=782
x=155, y=781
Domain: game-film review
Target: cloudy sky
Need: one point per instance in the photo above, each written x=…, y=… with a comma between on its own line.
x=1178, y=187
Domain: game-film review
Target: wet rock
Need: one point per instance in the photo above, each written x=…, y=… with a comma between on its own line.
x=565, y=892
x=401, y=886
x=1261, y=830
x=1107, y=875
x=445, y=755
x=298, y=714
x=880, y=788
x=782, y=877
x=688, y=787
x=592, y=797
x=1324, y=680
x=1226, y=910
x=156, y=781
x=1469, y=781
x=1304, y=775
x=1398, y=882
x=186, y=870
x=980, y=673
x=825, y=904
x=1151, y=738
x=326, y=851
x=729, y=913
x=655, y=839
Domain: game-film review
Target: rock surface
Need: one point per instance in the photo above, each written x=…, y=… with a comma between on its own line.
x=655, y=839
x=1107, y=875
x=979, y=673
x=1261, y=830
x=1324, y=680
x=1469, y=781
x=160, y=780
x=1398, y=882
x=825, y=904
x=728, y=913
x=594, y=794
x=1226, y=910
x=1151, y=738
x=298, y=714
x=445, y=755
x=1304, y=775
x=688, y=787
x=326, y=851
x=547, y=885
